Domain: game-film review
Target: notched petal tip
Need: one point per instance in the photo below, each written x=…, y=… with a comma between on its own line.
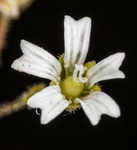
x=18, y=65
x=68, y=20
x=47, y=117
x=107, y=69
x=117, y=113
x=44, y=120
x=122, y=75
x=77, y=36
x=95, y=123
x=86, y=20
x=67, y=17
x=118, y=58
x=24, y=43
x=120, y=55
x=97, y=104
x=15, y=65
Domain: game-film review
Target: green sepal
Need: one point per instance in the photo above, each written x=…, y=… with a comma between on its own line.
x=89, y=65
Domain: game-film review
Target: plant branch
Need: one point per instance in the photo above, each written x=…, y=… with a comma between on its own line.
x=20, y=102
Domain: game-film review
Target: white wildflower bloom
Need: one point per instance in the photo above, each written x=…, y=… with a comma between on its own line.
x=73, y=83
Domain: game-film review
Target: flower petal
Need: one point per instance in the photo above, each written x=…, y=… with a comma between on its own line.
x=106, y=69
x=50, y=101
x=90, y=111
x=38, y=62
x=99, y=103
x=51, y=113
x=77, y=35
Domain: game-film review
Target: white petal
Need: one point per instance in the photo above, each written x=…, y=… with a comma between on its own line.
x=91, y=112
x=38, y=62
x=77, y=35
x=49, y=114
x=106, y=69
x=99, y=103
x=50, y=101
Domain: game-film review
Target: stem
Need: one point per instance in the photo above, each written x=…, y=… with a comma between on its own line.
x=4, y=21
x=9, y=108
x=19, y=103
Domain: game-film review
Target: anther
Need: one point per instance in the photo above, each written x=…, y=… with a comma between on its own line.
x=78, y=72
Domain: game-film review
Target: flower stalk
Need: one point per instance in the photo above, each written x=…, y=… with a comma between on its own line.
x=19, y=103
x=4, y=21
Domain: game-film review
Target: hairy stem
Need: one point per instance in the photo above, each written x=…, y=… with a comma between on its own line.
x=20, y=102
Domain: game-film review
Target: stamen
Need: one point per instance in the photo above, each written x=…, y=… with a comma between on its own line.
x=78, y=72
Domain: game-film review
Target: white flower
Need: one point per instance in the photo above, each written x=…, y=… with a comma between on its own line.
x=73, y=83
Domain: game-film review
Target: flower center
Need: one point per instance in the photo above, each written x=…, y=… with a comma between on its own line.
x=73, y=85
x=70, y=88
